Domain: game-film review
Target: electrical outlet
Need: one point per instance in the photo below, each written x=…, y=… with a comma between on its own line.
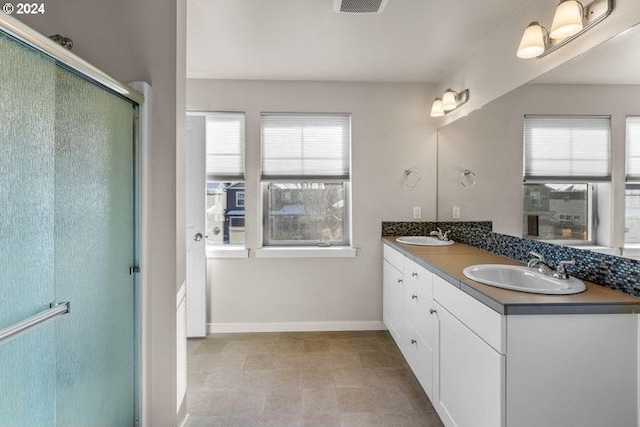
x=455, y=212
x=417, y=212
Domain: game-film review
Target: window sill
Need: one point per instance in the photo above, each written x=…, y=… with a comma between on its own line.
x=306, y=252
x=631, y=250
x=227, y=252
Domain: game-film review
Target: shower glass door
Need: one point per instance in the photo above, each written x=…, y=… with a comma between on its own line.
x=27, y=252
x=93, y=241
x=66, y=234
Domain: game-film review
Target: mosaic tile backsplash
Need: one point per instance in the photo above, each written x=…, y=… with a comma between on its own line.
x=622, y=274
x=413, y=228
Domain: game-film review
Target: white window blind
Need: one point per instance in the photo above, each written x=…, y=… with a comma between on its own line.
x=633, y=148
x=305, y=146
x=225, y=146
x=567, y=148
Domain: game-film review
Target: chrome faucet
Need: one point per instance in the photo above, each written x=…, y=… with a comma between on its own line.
x=561, y=272
x=538, y=262
x=440, y=235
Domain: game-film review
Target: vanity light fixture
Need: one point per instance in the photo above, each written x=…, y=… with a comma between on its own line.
x=570, y=20
x=567, y=21
x=449, y=102
x=436, y=108
x=533, y=41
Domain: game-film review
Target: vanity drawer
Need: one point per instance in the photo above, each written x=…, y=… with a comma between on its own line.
x=483, y=321
x=417, y=306
x=393, y=257
x=419, y=275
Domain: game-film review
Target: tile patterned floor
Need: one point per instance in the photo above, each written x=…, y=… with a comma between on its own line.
x=303, y=379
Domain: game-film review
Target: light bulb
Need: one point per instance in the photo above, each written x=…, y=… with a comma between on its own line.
x=449, y=100
x=567, y=20
x=532, y=43
x=436, y=108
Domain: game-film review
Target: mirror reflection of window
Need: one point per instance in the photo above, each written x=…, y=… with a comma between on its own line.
x=565, y=159
x=632, y=187
x=632, y=214
x=561, y=211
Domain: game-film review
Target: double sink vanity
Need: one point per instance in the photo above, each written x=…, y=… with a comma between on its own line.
x=493, y=357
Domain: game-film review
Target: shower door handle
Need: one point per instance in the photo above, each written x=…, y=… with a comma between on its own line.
x=197, y=237
x=55, y=310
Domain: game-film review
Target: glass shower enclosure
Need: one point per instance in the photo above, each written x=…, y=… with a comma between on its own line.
x=67, y=244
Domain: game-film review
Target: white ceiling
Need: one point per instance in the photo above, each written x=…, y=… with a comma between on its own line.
x=615, y=61
x=411, y=41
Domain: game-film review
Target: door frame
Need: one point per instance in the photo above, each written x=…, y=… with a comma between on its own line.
x=142, y=288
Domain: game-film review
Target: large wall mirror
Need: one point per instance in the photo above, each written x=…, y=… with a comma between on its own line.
x=481, y=156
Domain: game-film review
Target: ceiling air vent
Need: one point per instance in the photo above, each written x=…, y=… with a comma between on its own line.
x=359, y=6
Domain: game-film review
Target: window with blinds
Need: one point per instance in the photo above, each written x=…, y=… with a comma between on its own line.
x=305, y=146
x=225, y=146
x=305, y=173
x=633, y=148
x=221, y=136
x=567, y=148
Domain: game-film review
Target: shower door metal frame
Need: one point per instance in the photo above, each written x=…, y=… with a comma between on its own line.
x=64, y=57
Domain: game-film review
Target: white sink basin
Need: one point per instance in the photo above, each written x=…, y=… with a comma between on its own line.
x=523, y=279
x=423, y=241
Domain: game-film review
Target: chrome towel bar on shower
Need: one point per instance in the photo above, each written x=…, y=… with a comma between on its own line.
x=56, y=310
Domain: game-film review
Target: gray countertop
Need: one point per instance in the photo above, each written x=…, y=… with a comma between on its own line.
x=449, y=261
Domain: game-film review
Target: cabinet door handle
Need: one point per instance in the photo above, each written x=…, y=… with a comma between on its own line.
x=400, y=281
x=413, y=341
x=432, y=311
x=414, y=296
x=414, y=274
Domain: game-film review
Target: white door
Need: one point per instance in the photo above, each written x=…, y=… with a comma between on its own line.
x=196, y=241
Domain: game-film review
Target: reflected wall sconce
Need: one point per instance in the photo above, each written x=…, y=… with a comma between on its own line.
x=468, y=178
x=449, y=102
x=411, y=178
x=570, y=20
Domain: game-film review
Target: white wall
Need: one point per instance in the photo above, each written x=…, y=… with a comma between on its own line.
x=391, y=132
x=137, y=41
x=489, y=141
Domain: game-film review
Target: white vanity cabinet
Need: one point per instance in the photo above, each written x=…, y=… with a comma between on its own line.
x=418, y=340
x=429, y=319
x=556, y=367
x=469, y=390
x=408, y=313
x=393, y=291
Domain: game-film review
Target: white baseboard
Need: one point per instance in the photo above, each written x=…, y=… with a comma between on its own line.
x=372, y=325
